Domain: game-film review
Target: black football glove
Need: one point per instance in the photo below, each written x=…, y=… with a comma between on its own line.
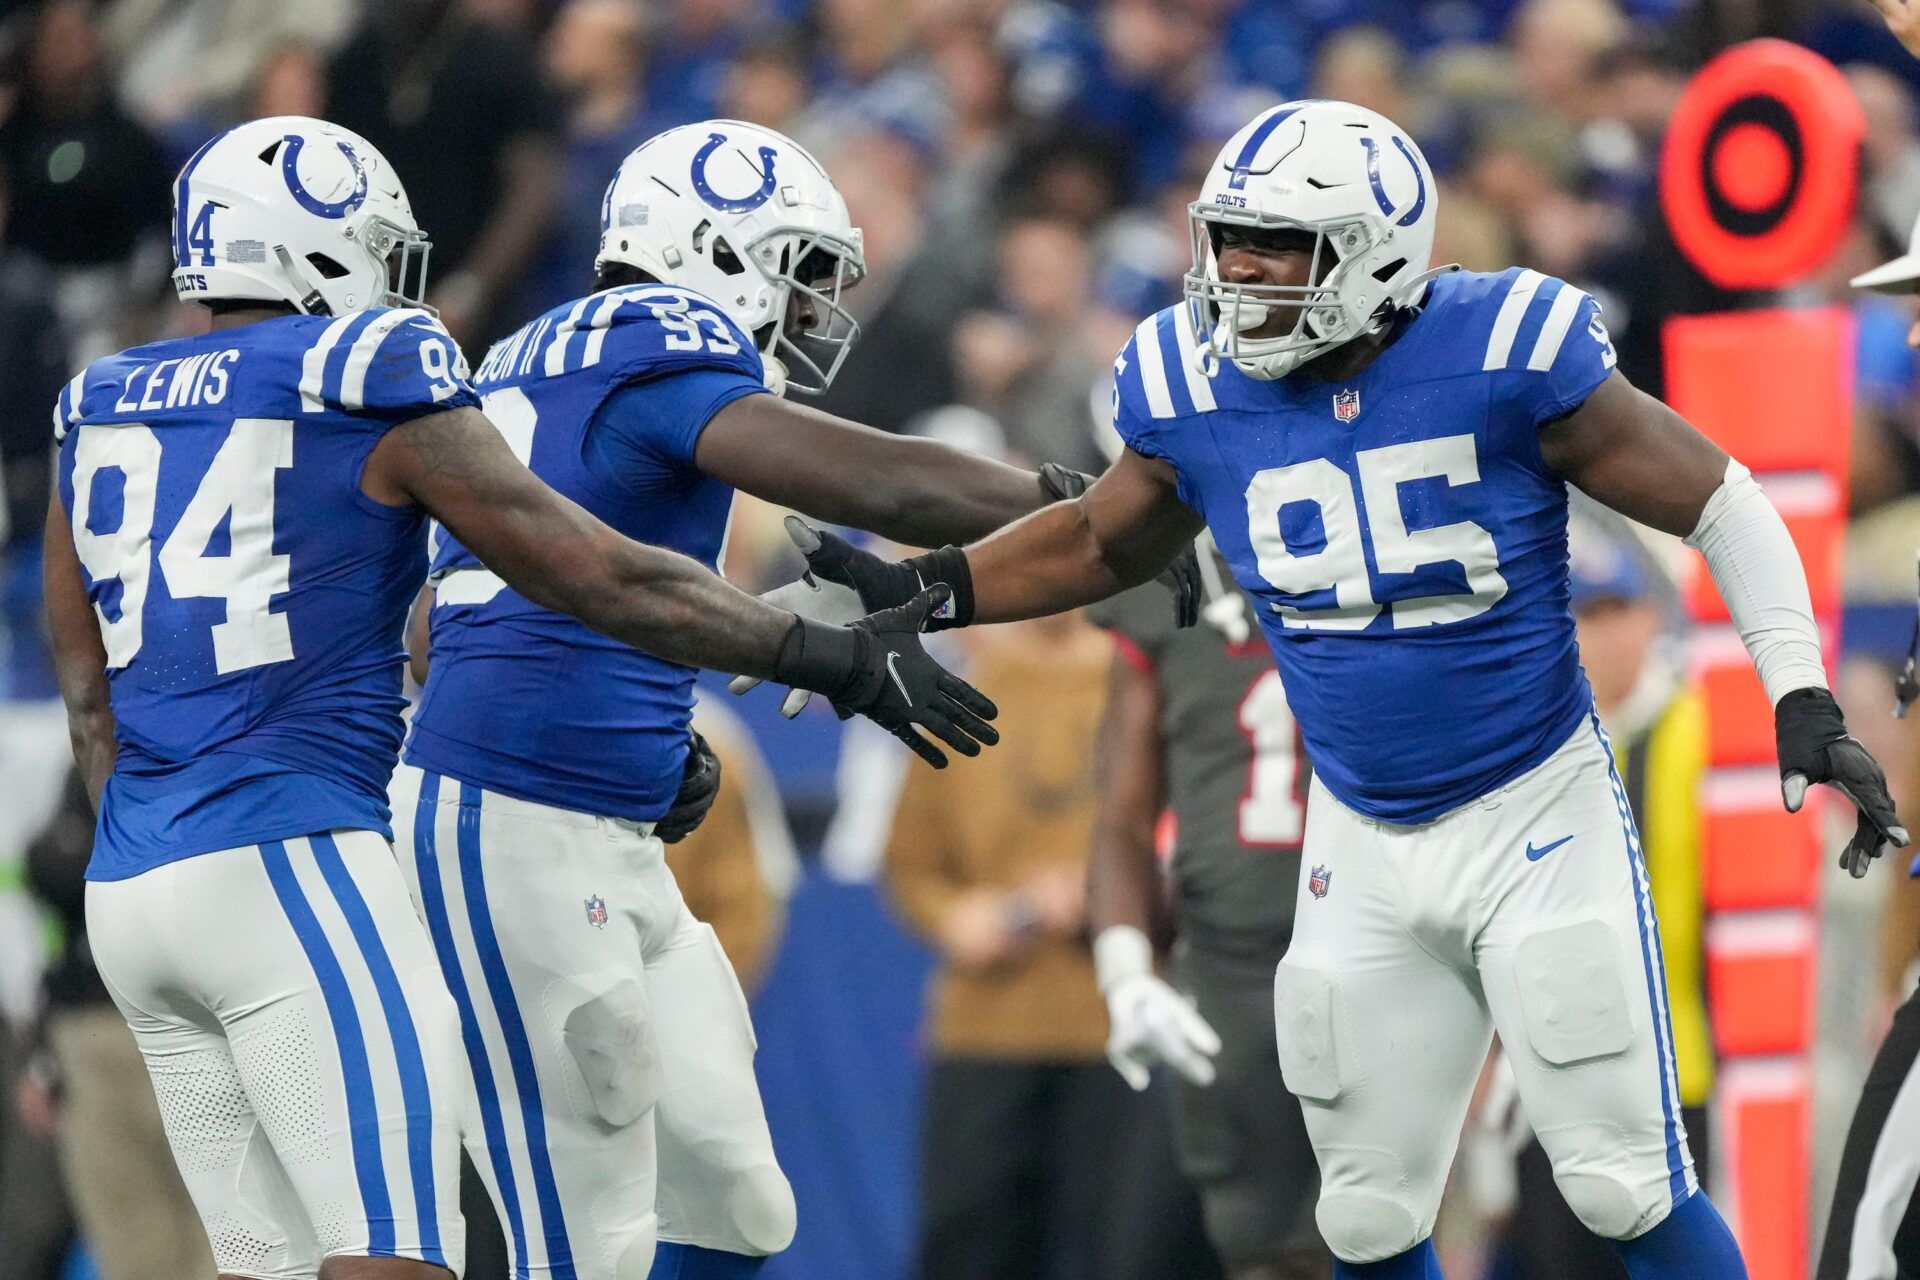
x=882, y=584
x=1814, y=746
x=1181, y=578
x=699, y=785
x=878, y=669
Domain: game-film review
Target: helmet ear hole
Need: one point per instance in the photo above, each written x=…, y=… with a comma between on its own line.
x=726, y=259
x=700, y=236
x=1388, y=272
x=328, y=268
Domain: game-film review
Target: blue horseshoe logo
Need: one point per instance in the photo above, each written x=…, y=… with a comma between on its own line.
x=745, y=203
x=1380, y=192
x=290, y=158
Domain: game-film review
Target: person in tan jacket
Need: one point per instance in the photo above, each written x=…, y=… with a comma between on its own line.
x=1025, y=1129
x=736, y=869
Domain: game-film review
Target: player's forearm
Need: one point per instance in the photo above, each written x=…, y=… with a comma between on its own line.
x=1123, y=877
x=1758, y=572
x=1049, y=562
x=668, y=605
x=79, y=655
x=90, y=731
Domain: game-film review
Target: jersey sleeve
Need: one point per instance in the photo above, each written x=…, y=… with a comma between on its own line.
x=1133, y=422
x=1548, y=347
x=392, y=365
x=662, y=417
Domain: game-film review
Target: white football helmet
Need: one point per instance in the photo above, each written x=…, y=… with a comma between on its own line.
x=746, y=218
x=296, y=210
x=1349, y=176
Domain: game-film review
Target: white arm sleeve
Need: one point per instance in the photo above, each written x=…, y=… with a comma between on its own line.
x=1757, y=569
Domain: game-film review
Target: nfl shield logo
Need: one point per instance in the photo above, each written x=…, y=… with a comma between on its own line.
x=1318, y=881
x=1346, y=404
x=597, y=911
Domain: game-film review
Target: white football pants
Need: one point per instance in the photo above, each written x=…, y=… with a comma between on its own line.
x=610, y=1049
x=1525, y=912
x=302, y=1047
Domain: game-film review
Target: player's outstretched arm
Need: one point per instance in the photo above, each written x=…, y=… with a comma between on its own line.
x=1122, y=531
x=79, y=655
x=458, y=468
x=1639, y=457
x=919, y=492
x=1149, y=1021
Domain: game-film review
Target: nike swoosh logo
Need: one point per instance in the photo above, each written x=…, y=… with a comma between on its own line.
x=901, y=685
x=1535, y=854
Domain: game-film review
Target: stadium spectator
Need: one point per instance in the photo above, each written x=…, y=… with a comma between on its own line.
x=91, y=1087
x=82, y=185
x=1027, y=361
x=736, y=869
x=593, y=56
x=1657, y=722
x=459, y=107
x=1025, y=1128
x=186, y=67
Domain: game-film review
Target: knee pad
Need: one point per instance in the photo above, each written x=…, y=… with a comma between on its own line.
x=1306, y=1008
x=1607, y=1206
x=1572, y=995
x=1368, y=1226
x=760, y=1207
x=608, y=1035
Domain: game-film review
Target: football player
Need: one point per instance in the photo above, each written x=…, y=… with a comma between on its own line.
x=1197, y=726
x=1383, y=454
x=603, y=1025
x=238, y=527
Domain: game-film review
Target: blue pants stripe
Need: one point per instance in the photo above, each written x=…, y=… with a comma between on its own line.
x=1655, y=965
x=414, y=1091
x=434, y=901
x=513, y=1030
x=363, y=1114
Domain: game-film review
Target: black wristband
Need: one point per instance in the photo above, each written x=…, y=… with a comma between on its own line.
x=826, y=659
x=948, y=565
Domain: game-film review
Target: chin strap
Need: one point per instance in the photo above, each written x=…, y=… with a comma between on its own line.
x=314, y=303
x=1416, y=288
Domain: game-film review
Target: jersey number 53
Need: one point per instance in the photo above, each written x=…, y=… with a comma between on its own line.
x=1341, y=564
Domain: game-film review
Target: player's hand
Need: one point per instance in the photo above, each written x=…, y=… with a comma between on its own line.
x=846, y=578
x=899, y=687
x=1814, y=746
x=880, y=584
x=1181, y=578
x=1152, y=1023
x=699, y=786
x=1903, y=19
x=810, y=596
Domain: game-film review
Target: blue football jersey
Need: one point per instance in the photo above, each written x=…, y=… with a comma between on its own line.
x=605, y=399
x=250, y=596
x=1401, y=534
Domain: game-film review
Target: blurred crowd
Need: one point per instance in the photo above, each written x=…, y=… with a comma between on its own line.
x=1021, y=171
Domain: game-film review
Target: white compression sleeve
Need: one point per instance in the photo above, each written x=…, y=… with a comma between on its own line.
x=1757, y=569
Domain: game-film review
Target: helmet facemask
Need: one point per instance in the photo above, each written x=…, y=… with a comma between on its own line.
x=403, y=251
x=1224, y=313
x=815, y=267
